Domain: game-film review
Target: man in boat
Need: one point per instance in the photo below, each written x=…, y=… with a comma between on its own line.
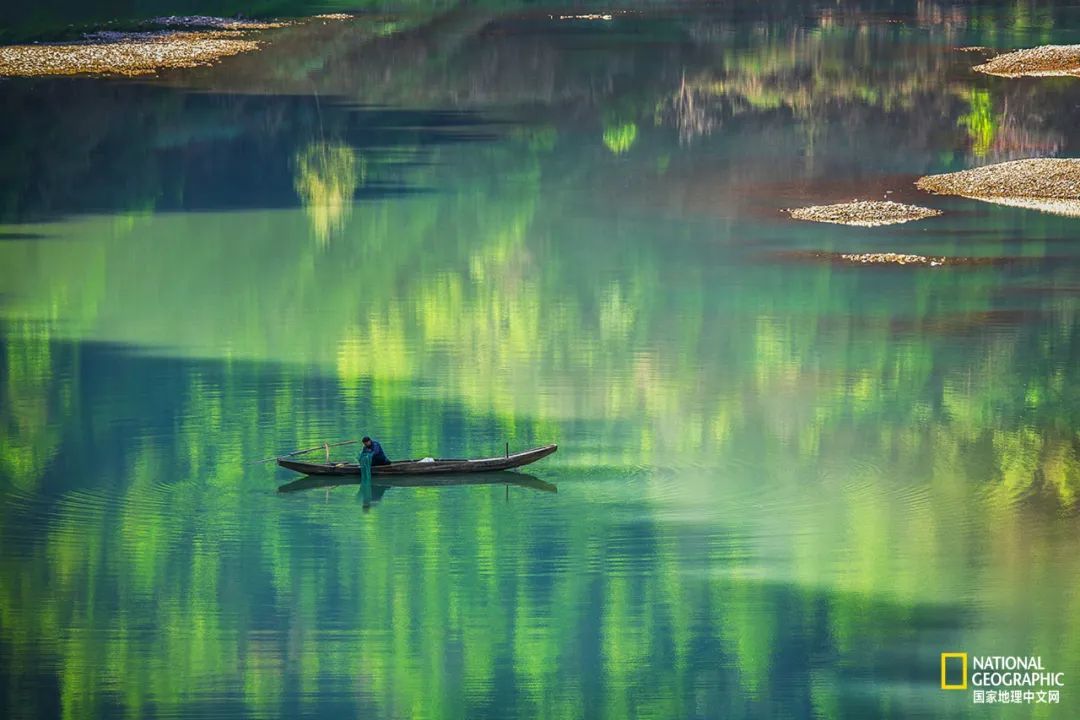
x=378, y=456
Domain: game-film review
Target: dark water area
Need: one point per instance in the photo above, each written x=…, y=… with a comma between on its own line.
x=785, y=483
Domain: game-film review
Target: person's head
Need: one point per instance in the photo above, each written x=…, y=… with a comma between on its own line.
x=366, y=441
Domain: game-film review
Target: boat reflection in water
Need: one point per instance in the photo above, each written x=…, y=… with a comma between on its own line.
x=380, y=484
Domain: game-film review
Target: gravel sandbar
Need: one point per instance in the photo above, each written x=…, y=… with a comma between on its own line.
x=1046, y=184
x=132, y=54
x=864, y=213
x=1057, y=178
x=894, y=259
x=1043, y=61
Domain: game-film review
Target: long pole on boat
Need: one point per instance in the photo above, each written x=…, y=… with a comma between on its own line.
x=307, y=450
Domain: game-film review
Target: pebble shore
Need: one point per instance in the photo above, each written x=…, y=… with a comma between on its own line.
x=863, y=213
x=126, y=54
x=1043, y=61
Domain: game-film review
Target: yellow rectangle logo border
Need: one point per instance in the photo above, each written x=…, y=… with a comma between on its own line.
x=964, y=658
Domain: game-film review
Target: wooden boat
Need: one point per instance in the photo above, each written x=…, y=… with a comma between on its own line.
x=426, y=466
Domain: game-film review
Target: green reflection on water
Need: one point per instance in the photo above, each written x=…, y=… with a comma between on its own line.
x=781, y=484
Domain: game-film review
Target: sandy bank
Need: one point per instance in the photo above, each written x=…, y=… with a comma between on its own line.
x=863, y=213
x=893, y=259
x=1043, y=61
x=1046, y=184
x=122, y=54
x=174, y=41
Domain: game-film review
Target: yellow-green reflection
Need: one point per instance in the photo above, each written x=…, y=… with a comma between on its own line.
x=980, y=123
x=327, y=176
x=620, y=138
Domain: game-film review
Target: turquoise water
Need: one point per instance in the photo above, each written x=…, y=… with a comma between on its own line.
x=785, y=484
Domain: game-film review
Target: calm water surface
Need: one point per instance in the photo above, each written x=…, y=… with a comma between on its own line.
x=784, y=485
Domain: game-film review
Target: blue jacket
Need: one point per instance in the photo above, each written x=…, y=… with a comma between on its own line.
x=378, y=457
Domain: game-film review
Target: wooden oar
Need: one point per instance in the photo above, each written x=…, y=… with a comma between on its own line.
x=305, y=450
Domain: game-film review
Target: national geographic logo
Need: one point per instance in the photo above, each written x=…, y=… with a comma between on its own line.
x=958, y=663
x=1001, y=679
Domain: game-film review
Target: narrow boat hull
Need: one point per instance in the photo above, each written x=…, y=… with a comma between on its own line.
x=420, y=467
